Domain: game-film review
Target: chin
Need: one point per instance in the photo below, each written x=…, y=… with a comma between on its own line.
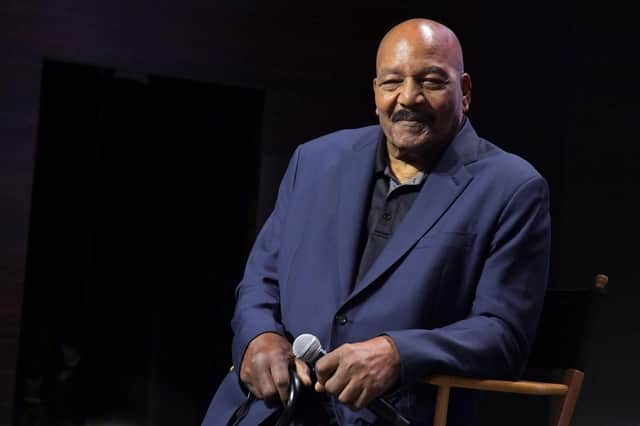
x=410, y=141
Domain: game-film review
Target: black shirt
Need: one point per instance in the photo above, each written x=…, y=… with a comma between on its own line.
x=390, y=202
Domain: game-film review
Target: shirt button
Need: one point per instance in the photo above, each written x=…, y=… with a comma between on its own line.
x=341, y=319
x=386, y=216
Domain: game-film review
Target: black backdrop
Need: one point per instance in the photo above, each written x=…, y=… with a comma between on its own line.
x=553, y=82
x=142, y=202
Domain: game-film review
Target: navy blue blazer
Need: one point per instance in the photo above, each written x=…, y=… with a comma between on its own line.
x=458, y=287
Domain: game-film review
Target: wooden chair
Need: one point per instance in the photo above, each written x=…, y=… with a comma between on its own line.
x=566, y=316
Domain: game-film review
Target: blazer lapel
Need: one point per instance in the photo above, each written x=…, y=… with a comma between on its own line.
x=354, y=180
x=442, y=187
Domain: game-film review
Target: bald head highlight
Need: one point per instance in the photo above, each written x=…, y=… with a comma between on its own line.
x=426, y=31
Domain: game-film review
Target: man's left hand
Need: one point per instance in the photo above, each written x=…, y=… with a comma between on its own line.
x=357, y=373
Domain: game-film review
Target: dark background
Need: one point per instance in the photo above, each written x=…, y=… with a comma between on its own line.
x=138, y=137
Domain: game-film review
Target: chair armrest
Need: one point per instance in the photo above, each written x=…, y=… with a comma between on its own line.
x=517, y=386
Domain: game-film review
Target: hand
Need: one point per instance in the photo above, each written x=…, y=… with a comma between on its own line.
x=358, y=373
x=265, y=367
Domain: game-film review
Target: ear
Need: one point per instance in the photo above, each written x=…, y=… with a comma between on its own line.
x=465, y=83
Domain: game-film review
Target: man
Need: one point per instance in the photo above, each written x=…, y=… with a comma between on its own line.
x=409, y=248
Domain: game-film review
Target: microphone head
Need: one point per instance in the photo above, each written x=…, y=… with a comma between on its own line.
x=307, y=347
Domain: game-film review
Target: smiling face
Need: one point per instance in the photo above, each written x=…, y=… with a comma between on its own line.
x=420, y=90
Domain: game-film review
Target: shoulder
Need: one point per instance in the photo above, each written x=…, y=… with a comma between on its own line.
x=321, y=157
x=499, y=176
x=502, y=165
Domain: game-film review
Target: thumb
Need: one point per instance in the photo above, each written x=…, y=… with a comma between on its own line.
x=303, y=371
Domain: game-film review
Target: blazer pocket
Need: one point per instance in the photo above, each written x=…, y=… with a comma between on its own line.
x=460, y=240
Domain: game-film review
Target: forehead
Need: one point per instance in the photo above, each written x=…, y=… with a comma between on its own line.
x=414, y=50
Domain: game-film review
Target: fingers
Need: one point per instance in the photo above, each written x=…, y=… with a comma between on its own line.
x=264, y=377
x=359, y=372
x=363, y=400
x=349, y=390
x=355, y=396
x=338, y=381
x=331, y=377
x=280, y=376
x=265, y=367
x=327, y=365
x=272, y=383
x=265, y=388
x=303, y=371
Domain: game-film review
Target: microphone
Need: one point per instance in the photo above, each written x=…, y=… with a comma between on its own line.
x=307, y=347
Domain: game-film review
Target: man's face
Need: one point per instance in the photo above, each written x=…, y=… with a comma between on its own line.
x=419, y=91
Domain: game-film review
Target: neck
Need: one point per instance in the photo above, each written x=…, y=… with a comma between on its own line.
x=405, y=165
x=402, y=170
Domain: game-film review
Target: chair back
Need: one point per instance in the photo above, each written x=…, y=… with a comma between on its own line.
x=566, y=325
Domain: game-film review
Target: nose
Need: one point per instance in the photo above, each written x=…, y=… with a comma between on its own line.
x=411, y=93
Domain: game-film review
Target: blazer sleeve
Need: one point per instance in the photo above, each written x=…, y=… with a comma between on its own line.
x=257, y=308
x=495, y=339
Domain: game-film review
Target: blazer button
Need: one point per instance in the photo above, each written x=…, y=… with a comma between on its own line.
x=341, y=319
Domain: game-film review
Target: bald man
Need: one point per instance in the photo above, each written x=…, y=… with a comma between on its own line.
x=408, y=248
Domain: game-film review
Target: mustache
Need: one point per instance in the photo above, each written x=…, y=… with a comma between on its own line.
x=409, y=115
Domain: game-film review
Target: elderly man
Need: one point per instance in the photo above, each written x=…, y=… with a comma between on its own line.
x=409, y=248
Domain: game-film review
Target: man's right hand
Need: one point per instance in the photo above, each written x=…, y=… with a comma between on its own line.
x=265, y=367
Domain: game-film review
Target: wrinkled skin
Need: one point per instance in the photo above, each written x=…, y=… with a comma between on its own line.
x=421, y=91
x=356, y=373
x=265, y=368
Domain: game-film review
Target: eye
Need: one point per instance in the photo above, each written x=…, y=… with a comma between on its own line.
x=390, y=83
x=433, y=83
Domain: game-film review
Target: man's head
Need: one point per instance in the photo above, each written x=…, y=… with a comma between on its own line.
x=421, y=90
